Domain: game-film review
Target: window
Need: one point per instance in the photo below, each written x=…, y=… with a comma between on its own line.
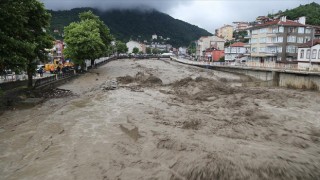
x=291, y=49
x=262, y=49
x=314, y=53
x=255, y=31
x=319, y=54
x=307, y=38
x=281, y=29
x=301, y=30
x=272, y=49
x=254, y=49
x=301, y=54
x=291, y=30
x=308, y=31
x=274, y=39
x=291, y=39
x=300, y=40
x=279, y=49
x=308, y=54
x=253, y=40
x=280, y=39
x=275, y=30
x=264, y=30
x=262, y=40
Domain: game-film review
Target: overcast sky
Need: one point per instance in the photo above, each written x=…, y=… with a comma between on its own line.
x=207, y=14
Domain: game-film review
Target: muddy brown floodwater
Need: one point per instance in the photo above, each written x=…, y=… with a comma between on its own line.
x=157, y=119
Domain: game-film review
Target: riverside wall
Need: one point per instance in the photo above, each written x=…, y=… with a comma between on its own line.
x=279, y=77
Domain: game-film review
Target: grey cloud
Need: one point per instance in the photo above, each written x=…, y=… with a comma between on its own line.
x=160, y=5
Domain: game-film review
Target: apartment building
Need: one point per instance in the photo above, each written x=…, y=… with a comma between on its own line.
x=225, y=32
x=278, y=40
x=206, y=42
x=235, y=52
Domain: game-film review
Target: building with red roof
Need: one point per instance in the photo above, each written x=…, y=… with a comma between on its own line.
x=235, y=52
x=278, y=40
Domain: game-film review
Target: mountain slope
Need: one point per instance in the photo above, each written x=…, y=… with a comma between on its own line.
x=311, y=11
x=136, y=25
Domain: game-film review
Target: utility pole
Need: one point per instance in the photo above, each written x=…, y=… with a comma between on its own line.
x=312, y=34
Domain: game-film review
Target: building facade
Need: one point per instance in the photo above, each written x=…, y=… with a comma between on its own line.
x=309, y=54
x=225, y=32
x=213, y=54
x=278, y=40
x=208, y=42
x=133, y=44
x=235, y=52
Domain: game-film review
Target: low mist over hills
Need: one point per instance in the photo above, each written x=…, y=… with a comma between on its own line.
x=135, y=25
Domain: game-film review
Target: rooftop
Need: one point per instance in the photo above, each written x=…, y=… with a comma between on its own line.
x=237, y=44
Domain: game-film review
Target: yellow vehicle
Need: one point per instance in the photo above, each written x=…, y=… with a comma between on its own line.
x=53, y=67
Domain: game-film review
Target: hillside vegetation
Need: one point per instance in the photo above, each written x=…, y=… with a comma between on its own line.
x=135, y=25
x=311, y=11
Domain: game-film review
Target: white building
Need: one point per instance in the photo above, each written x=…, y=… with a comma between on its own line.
x=154, y=36
x=309, y=55
x=133, y=44
x=235, y=52
x=182, y=51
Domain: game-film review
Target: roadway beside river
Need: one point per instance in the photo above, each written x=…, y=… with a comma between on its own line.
x=160, y=119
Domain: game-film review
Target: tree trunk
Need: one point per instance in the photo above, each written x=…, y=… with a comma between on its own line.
x=92, y=63
x=30, y=73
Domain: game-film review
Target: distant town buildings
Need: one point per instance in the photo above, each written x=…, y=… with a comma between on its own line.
x=277, y=40
x=206, y=42
x=225, y=32
x=133, y=44
x=182, y=51
x=213, y=54
x=241, y=26
x=154, y=36
x=235, y=52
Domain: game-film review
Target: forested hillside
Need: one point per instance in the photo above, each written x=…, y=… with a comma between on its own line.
x=311, y=11
x=134, y=24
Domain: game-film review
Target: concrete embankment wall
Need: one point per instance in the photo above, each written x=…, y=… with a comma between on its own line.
x=299, y=81
x=289, y=79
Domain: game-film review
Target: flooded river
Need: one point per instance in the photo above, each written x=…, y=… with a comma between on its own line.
x=163, y=120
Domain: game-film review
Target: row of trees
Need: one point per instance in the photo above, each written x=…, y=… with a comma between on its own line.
x=25, y=38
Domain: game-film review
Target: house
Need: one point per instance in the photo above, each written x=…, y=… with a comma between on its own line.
x=235, y=52
x=225, y=32
x=309, y=55
x=154, y=36
x=133, y=44
x=241, y=26
x=277, y=40
x=213, y=54
x=182, y=51
x=206, y=42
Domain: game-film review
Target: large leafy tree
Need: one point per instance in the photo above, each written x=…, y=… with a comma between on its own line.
x=23, y=35
x=121, y=47
x=83, y=41
x=88, y=39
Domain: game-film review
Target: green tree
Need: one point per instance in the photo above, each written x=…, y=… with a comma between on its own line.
x=121, y=47
x=88, y=39
x=148, y=50
x=135, y=50
x=23, y=35
x=83, y=41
